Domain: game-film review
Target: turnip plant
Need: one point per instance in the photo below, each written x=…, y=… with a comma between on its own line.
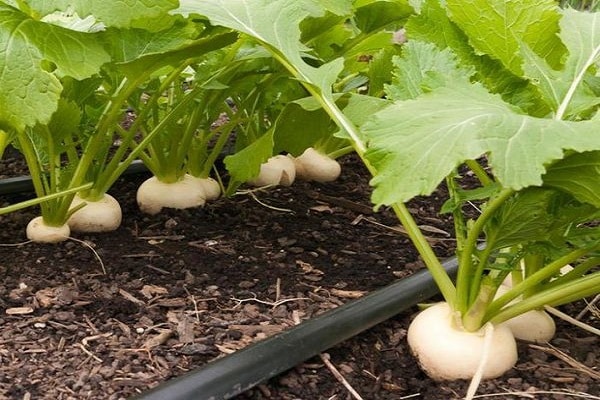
x=505, y=91
x=67, y=126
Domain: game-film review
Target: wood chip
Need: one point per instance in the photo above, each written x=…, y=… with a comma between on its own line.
x=175, y=302
x=348, y=294
x=130, y=297
x=157, y=340
x=19, y=310
x=150, y=291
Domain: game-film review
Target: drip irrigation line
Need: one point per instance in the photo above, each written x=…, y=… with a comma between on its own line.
x=23, y=184
x=235, y=373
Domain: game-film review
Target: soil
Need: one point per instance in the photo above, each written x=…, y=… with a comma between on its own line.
x=108, y=316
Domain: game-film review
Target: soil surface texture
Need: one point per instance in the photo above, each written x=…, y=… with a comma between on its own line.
x=107, y=316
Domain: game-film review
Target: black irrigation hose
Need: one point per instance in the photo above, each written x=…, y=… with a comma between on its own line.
x=235, y=373
x=23, y=184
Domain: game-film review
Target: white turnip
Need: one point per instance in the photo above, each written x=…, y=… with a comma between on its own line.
x=103, y=215
x=313, y=165
x=212, y=189
x=40, y=232
x=278, y=170
x=532, y=326
x=153, y=195
x=446, y=351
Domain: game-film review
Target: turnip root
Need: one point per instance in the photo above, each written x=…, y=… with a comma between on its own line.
x=212, y=189
x=315, y=166
x=532, y=326
x=103, y=215
x=40, y=232
x=278, y=170
x=447, y=352
x=153, y=195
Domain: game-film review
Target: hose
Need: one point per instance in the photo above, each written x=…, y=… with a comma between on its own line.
x=235, y=373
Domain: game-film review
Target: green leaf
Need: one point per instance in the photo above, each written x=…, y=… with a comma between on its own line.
x=566, y=91
x=299, y=127
x=130, y=44
x=379, y=14
x=498, y=27
x=32, y=55
x=415, y=144
x=490, y=72
x=117, y=13
x=422, y=68
x=147, y=62
x=245, y=163
x=276, y=24
x=460, y=197
x=579, y=175
x=537, y=215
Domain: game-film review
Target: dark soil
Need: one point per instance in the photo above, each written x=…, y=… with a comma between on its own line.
x=168, y=293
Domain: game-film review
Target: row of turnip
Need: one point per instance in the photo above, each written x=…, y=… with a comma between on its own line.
x=105, y=215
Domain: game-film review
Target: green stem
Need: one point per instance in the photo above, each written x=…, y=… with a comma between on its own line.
x=581, y=269
x=531, y=281
x=340, y=152
x=116, y=166
x=34, y=169
x=110, y=114
x=208, y=164
x=460, y=225
x=42, y=199
x=531, y=264
x=439, y=274
x=466, y=271
x=477, y=276
x=168, y=119
x=473, y=317
x=479, y=172
x=568, y=292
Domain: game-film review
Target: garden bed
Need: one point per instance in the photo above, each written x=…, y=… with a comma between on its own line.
x=169, y=293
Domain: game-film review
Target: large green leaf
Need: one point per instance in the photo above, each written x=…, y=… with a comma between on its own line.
x=276, y=24
x=565, y=91
x=32, y=55
x=415, y=144
x=498, y=27
x=117, y=13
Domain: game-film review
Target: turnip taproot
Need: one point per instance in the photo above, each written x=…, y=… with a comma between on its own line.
x=153, y=195
x=103, y=215
x=40, y=232
x=313, y=165
x=446, y=351
x=278, y=170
